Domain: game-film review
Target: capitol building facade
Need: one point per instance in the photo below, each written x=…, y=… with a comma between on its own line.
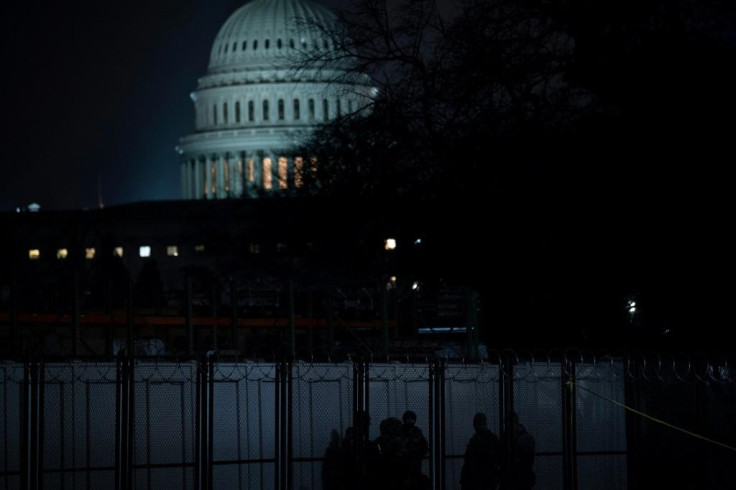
x=272, y=77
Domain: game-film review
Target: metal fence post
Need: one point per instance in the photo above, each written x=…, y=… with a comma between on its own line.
x=437, y=424
x=203, y=424
x=31, y=462
x=125, y=384
x=283, y=474
x=569, y=425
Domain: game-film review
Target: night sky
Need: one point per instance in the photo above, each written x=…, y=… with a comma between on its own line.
x=99, y=90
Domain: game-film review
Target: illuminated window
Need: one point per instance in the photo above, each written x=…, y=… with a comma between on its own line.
x=267, y=179
x=281, y=109
x=117, y=251
x=311, y=108
x=144, y=251
x=62, y=253
x=237, y=112
x=34, y=254
x=298, y=168
x=254, y=248
x=251, y=111
x=199, y=248
x=283, y=173
x=172, y=251
x=296, y=109
x=389, y=243
x=89, y=253
x=265, y=110
x=325, y=110
x=251, y=170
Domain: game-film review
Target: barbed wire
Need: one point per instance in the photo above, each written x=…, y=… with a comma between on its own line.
x=520, y=366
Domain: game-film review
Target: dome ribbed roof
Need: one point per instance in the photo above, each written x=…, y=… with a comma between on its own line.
x=262, y=33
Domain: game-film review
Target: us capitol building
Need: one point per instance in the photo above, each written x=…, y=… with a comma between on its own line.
x=266, y=86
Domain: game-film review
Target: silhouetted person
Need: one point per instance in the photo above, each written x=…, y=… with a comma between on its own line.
x=521, y=474
x=359, y=454
x=333, y=466
x=482, y=460
x=390, y=468
x=415, y=447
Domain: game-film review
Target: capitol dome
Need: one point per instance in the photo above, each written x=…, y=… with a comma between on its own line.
x=258, y=99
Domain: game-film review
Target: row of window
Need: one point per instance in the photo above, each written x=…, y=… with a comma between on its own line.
x=91, y=252
x=227, y=46
x=144, y=251
x=221, y=116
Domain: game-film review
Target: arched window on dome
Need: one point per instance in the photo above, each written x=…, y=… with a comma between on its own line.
x=267, y=177
x=251, y=111
x=350, y=106
x=339, y=108
x=227, y=45
x=237, y=111
x=296, y=109
x=268, y=43
x=224, y=113
x=278, y=43
x=304, y=43
x=283, y=173
x=325, y=44
x=245, y=45
x=325, y=109
x=311, y=108
x=281, y=109
x=265, y=110
x=235, y=46
x=291, y=43
x=214, y=114
x=219, y=50
x=255, y=44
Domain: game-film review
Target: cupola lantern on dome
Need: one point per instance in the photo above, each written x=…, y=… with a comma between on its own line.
x=254, y=104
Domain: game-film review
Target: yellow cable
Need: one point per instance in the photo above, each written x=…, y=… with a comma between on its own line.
x=570, y=384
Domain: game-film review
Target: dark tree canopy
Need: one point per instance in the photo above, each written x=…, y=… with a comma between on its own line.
x=561, y=150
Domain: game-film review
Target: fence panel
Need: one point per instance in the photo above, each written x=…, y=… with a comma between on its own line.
x=164, y=425
x=244, y=436
x=322, y=402
x=601, y=447
x=79, y=425
x=11, y=383
x=469, y=389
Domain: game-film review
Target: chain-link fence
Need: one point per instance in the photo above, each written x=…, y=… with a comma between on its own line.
x=598, y=422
